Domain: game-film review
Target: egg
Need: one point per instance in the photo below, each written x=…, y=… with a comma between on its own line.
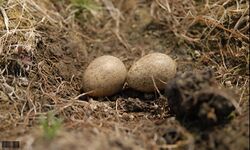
x=104, y=76
x=153, y=68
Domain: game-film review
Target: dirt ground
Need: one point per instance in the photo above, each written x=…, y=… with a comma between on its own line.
x=45, y=47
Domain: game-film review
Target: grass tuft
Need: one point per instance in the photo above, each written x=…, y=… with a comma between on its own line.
x=50, y=126
x=85, y=4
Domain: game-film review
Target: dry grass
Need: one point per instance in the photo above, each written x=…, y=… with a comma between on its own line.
x=32, y=84
x=218, y=30
x=19, y=63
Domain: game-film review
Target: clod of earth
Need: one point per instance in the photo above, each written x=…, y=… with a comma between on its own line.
x=171, y=134
x=104, y=76
x=151, y=71
x=196, y=100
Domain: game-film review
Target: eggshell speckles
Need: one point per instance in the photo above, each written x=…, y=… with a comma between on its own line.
x=156, y=66
x=104, y=76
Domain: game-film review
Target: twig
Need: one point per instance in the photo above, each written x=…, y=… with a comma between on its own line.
x=158, y=91
x=6, y=19
x=83, y=94
x=215, y=23
x=243, y=92
x=165, y=6
x=116, y=15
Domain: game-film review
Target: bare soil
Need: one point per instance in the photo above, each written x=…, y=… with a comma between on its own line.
x=46, y=46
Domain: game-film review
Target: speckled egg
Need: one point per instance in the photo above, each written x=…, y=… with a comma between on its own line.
x=153, y=68
x=104, y=76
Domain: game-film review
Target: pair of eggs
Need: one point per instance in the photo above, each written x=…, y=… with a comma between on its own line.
x=107, y=74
